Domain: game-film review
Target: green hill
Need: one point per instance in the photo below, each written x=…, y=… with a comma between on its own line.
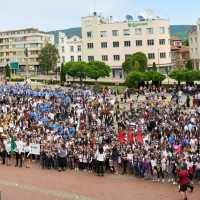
x=180, y=31
x=70, y=32
x=176, y=30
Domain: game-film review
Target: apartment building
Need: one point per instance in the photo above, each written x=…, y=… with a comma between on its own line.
x=194, y=44
x=179, y=52
x=13, y=44
x=112, y=42
x=70, y=48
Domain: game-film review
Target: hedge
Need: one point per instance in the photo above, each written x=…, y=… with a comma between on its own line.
x=17, y=79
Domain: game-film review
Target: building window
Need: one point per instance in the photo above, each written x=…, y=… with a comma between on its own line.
x=150, y=42
x=138, y=42
x=74, y=39
x=197, y=66
x=7, y=53
x=115, y=32
x=196, y=50
x=162, y=41
x=104, y=45
x=183, y=56
x=149, y=31
x=127, y=43
x=90, y=45
x=191, y=50
x=162, y=55
x=79, y=48
x=191, y=40
x=161, y=30
x=115, y=44
x=72, y=58
x=127, y=55
x=89, y=34
x=79, y=58
x=90, y=58
x=105, y=58
x=116, y=57
x=71, y=48
x=151, y=56
x=103, y=33
x=63, y=59
x=195, y=39
x=138, y=31
x=62, y=40
x=63, y=49
x=127, y=32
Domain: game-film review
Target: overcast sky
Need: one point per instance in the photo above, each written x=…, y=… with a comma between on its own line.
x=48, y=15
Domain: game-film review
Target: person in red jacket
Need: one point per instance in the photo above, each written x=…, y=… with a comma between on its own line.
x=183, y=178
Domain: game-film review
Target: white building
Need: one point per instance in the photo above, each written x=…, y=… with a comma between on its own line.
x=194, y=44
x=70, y=48
x=112, y=42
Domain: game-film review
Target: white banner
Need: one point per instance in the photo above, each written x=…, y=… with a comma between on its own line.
x=35, y=148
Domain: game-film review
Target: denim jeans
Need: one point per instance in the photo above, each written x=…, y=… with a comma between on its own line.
x=198, y=175
x=136, y=170
x=169, y=171
x=141, y=173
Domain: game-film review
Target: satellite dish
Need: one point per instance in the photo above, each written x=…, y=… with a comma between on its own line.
x=140, y=18
x=116, y=19
x=147, y=14
x=129, y=18
x=159, y=17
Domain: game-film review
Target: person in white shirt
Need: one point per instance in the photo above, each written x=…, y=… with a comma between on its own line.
x=18, y=152
x=8, y=149
x=27, y=150
x=100, y=156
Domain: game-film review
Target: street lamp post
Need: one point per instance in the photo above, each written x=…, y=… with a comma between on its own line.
x=27, y=75
x=167, y=72
x=158, y=53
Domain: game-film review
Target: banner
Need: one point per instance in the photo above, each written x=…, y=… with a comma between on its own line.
x=35, y=148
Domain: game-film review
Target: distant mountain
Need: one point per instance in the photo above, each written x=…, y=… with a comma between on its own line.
x=70, y=32
x=180, y=31
x=176, y=30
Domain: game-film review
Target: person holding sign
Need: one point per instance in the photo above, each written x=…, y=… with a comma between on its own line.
x=27, y=150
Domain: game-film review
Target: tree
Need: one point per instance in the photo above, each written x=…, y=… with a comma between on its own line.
x=96, y=69
x=185, y=42
x=133, y=78
x=8, y=74
x=62, y=74
x=178, y=75
x=189, y=65
x=154, y=66
x=48, y=57
x=140, y=57
x=155, y=77
x=136, y=66
x=78, y=69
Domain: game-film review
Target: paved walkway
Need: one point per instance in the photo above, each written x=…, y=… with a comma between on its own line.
x=34, y=183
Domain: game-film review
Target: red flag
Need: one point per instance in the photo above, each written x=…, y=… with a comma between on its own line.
x=139, y=136
x=121, y=135
x=130, y=135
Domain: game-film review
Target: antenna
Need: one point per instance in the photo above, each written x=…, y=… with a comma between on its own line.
x=129, y=18
x=94, y=5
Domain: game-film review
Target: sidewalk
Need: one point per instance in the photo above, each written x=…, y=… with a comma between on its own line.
x=109, y=79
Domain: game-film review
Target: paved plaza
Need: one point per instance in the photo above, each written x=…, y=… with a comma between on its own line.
x=34, y=183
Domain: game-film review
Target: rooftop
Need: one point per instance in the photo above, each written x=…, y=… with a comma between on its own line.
x=174, y=38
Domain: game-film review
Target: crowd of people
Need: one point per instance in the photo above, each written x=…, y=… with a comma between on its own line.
x=79, y=129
